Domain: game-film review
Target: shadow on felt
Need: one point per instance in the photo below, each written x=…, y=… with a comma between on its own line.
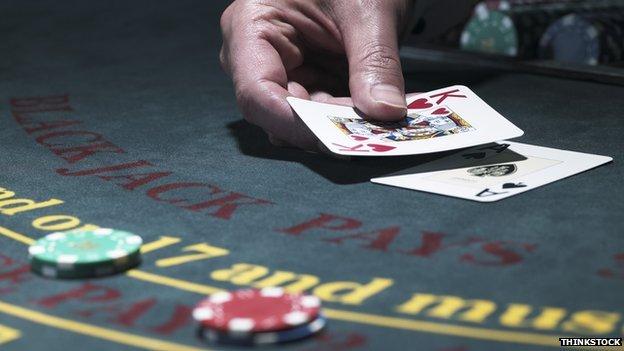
x=252, y=141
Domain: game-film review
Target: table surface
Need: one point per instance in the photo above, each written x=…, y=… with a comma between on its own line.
x=117, y=115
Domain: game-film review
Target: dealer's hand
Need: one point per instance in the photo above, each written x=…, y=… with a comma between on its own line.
x=313, y=49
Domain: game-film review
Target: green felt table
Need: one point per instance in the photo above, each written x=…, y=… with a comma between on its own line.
x=116, y=114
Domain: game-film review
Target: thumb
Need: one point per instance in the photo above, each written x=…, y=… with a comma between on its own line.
x=372, y=48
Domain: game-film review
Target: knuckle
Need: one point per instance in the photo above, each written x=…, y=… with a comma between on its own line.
x=370, y=9
x=368, y=5
x=380, y=57
x=225, y=19
x=245, y=12
x=263, y=21
x=223, y=60
x=265, y=10
x=256, y=18
x=243, y=100
x=263, y=29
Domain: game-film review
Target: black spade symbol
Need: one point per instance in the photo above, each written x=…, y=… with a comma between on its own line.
x=513, y=185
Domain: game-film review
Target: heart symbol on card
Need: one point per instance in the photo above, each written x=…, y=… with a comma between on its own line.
x=358, y=137
x=513, y=185
x=419, y=104
x=380, y=147
x=441, y=111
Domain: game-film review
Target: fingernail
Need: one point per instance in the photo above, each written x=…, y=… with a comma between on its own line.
x=389, y=95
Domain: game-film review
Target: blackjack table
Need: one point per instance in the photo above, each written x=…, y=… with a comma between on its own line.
x=116, y=114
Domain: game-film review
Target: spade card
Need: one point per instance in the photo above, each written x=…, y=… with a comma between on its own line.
x=497, y=176
x=441, y=120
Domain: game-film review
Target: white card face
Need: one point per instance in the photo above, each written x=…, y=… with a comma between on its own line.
x=440, y=120
x=501, y=175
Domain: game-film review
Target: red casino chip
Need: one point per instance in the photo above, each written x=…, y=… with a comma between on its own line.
x=256, y=310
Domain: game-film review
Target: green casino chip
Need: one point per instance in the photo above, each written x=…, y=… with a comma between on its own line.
x=490, y=32
x=85, y=253
x=52, y=271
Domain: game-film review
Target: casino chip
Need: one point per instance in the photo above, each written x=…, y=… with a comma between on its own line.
x=253, y=310
x=514, y=28
x=258, y=316
x=585, y=38
x=265, y=338
x=85, y=253
x=490, y=32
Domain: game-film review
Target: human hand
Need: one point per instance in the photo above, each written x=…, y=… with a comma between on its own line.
x=313, y=49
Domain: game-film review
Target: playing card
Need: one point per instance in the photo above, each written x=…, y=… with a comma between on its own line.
x=497, y=176
x=440, y=120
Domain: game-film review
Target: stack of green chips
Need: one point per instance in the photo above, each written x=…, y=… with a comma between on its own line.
x=81, y=254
